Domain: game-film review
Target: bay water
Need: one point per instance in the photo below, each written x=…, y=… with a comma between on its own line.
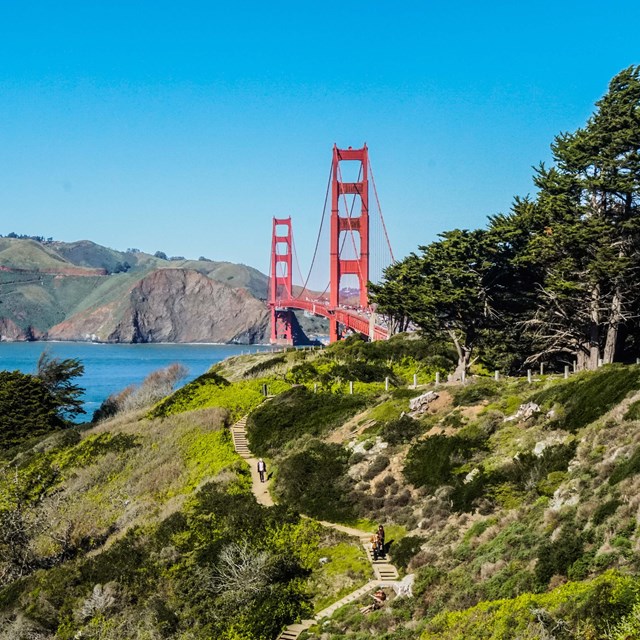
x=109, y=368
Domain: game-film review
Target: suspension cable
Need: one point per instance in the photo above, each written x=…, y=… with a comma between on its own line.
x=315, y=251
x=384, y=226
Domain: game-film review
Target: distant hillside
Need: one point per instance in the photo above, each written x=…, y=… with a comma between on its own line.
x=84, y=291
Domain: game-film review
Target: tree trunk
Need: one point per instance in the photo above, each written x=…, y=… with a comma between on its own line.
x=464, y=357
x=594, y=329
x=615, y=316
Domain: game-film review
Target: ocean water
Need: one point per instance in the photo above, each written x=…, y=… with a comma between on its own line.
x=109, y=368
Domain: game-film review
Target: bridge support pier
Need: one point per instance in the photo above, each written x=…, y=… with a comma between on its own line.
x=334, y=334
x=281, y=327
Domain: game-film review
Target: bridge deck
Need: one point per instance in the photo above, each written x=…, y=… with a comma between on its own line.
x=350, y=318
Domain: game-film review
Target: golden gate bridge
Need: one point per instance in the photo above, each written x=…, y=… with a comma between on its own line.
x=359, y=250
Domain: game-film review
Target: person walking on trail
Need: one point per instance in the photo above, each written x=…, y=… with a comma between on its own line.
x=262, y=469
x=381, y=534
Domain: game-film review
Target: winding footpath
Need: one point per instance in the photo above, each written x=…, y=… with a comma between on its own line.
x=385, y=573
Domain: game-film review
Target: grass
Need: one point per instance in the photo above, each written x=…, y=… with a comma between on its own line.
x=211, y=390
x=347, y=569
x=587, y=396
x=205, y=455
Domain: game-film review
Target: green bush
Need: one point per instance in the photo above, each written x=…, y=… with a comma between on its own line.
x=475, y=391
x=431, y=462
x=295, y=413
x=314, y=481
x=557, y=556
x=170, y=580
x=573, y=610
x=402, y=430
x=604, y=510
x=403, y=551
x=379, y=464
x=587, y=396
x=301, y=373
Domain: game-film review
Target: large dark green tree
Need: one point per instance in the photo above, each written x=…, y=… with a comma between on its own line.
x=555, y=279
x=447, y=290
x=27, y=409
x=590, y=251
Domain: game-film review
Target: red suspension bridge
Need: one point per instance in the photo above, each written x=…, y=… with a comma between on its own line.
x=359, y=250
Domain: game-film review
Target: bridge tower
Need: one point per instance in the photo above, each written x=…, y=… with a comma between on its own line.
x=356, y=222
x=281, y=281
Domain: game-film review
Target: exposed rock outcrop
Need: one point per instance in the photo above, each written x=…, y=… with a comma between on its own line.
x=172, y=305
x=11, y=332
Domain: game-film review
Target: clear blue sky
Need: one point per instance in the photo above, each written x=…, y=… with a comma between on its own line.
x=184, y=127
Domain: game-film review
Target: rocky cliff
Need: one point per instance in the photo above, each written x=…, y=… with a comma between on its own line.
x=172, y=305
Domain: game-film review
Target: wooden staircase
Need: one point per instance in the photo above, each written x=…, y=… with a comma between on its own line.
x=239, y=435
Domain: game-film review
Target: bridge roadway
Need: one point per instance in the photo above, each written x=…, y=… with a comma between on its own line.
x=350, y=318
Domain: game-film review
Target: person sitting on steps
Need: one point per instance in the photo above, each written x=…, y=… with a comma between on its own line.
x=262, y=469
x=379, y=598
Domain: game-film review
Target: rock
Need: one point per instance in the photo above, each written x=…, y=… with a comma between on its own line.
x=471, y=476
x=404, y=587
x=420, y=404
x=524, y=412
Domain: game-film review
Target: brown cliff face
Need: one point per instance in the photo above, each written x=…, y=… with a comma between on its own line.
x=172, y=305
x=11, y=332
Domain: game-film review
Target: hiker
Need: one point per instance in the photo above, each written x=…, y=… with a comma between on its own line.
x=374, y=545
x=381, y=534
x=379, y=598
x=377, y=548
x=262, y=469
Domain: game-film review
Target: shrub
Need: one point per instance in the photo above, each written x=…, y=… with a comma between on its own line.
x=314, y=481
x=605, y=510
x=557, y=556
x=402, y=430
x=295, y=413
x=403, y=551
x=633, y=412
x=430, y=463
x=377, y=466
x=475, y=391
x=588, y=609
x=304, y=372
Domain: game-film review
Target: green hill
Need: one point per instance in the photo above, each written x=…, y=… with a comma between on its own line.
x=81, y=290
x=514, y=524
